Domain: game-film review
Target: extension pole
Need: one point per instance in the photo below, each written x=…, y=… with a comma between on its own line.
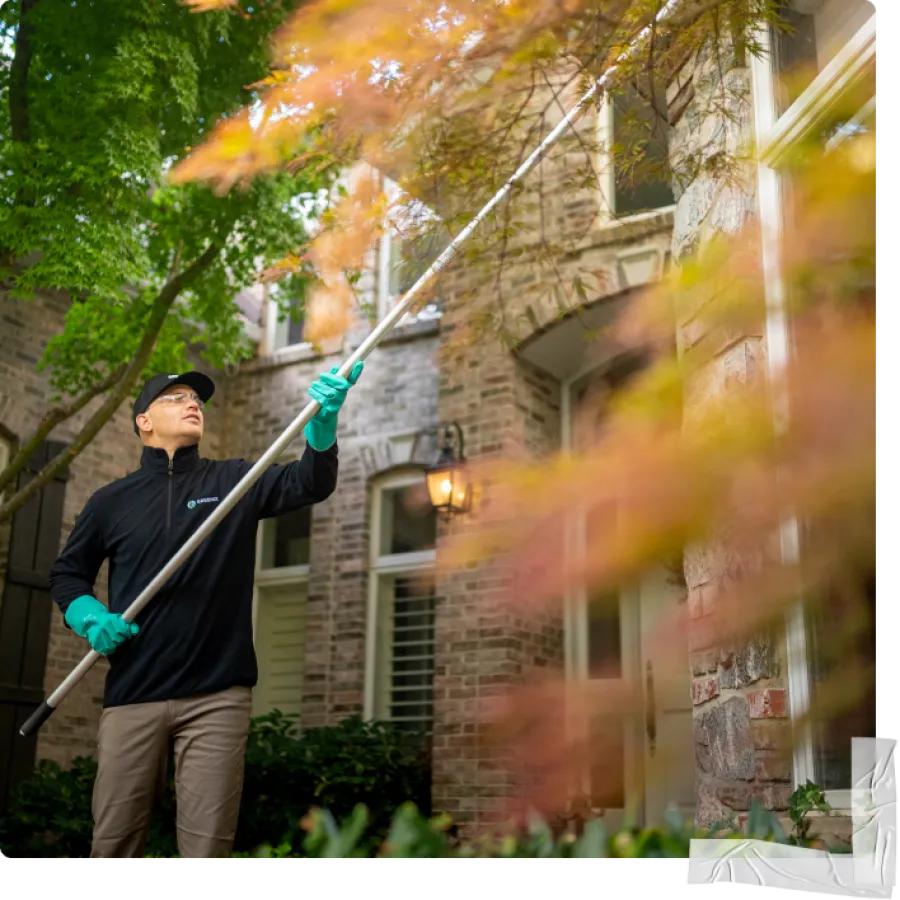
x=45, y=710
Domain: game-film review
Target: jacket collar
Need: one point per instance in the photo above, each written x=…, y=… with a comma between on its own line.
x=155, y=459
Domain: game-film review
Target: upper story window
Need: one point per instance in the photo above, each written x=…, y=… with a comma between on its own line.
x=635, y=176
x=412, y=241
x=284, y=320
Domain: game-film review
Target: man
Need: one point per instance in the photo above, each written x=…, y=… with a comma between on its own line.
x=182, y=673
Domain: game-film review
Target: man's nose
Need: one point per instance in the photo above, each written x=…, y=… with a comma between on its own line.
x=193, y=403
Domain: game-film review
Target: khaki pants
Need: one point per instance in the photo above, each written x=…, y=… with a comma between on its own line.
x=210, y=738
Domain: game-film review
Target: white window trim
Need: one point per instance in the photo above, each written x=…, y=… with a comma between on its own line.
x=606, y=216
x=382, y=564
x=775, y=135
x=840, y=74
x=271, y=331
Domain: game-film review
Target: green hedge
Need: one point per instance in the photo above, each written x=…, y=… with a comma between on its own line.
x=286, y=774
x=413, y=835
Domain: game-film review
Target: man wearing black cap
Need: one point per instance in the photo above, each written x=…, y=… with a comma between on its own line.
x=181, y=675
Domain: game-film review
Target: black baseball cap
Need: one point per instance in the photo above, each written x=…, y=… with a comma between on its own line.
x=154, y=386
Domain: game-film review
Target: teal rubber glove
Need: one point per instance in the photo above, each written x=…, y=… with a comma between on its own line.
x=104, y=630
x=329, y=391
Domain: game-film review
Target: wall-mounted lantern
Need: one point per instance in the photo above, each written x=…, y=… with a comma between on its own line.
x=448, y=482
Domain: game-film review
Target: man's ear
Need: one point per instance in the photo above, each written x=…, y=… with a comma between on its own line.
x=143, y=423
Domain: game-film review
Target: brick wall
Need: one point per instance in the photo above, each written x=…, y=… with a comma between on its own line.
x=395, y=397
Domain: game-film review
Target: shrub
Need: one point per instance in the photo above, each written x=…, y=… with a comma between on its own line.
x=413, y=835
x=334, y=767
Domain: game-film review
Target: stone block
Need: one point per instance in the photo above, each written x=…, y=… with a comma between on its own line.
x=773, y=766
x=704, y=689
x=722, y=740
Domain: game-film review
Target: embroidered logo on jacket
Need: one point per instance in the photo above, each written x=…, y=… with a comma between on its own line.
x=192, y=503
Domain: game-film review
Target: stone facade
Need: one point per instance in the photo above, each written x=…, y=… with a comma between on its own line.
x=739, y=691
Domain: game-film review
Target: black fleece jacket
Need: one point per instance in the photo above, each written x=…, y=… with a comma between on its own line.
x=196, y=634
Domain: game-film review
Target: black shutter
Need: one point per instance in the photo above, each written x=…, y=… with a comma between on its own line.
x=25, y=613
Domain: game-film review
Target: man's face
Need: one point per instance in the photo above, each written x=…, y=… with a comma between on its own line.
x=174, y=415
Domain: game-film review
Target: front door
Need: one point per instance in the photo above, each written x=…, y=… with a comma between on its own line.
x=626, y=650
x=667, y=716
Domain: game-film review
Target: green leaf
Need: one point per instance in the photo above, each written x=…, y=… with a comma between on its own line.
x=592, y=842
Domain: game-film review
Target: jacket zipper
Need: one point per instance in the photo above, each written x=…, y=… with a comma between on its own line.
x=169, y=500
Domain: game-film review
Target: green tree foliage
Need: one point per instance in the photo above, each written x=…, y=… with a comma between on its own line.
x=98, y=101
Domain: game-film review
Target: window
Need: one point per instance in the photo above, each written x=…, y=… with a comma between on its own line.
x=402, y=603
x=283, y=329
x=412, y=241
x=817, y=90
x=635, y=174
x=281, y=589
x=816, y=32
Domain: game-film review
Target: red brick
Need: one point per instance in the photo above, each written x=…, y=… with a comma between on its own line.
x=770, y=703
x=704, y=689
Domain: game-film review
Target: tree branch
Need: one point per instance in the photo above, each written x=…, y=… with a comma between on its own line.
x=18, y=75
x=161, y=306
x=53, y=418
x=691, y=13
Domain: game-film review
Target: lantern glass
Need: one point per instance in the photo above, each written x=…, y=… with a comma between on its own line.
x=440, y=486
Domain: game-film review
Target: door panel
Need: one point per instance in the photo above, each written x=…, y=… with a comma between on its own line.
x=668, y=711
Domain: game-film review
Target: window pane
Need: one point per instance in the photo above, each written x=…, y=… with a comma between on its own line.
x=405, y=649
x=795, y=57
x=640, y=134
x=815, y=32
x=841, y=632
x=289, y=330
x=408, y=520
x=286, y=539
x=604, y=637
x=604, y=625
x=280, y=649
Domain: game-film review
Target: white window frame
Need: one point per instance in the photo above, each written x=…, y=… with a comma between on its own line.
x=271, y=331
x=607, y=174
x=390, y=238
x=774, y=136
x=386, y=564
x=280, y=575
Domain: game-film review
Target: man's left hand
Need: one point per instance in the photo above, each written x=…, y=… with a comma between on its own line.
x=329, y=391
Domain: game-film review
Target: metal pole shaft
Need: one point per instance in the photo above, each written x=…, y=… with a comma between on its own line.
x=367, y=346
